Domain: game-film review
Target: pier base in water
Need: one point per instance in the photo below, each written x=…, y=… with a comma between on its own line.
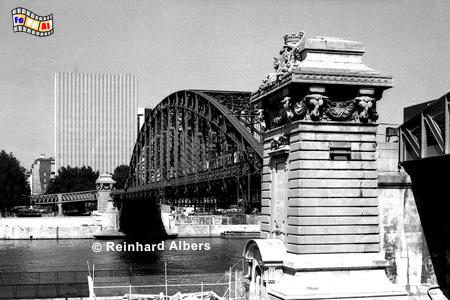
x=272, y=273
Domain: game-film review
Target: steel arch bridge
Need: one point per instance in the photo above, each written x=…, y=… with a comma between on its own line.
x=200, y=148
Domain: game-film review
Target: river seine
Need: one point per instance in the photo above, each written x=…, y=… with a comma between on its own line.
x=211, y=255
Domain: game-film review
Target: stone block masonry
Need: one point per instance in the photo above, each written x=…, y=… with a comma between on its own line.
x=331, y=204
x=320, y=224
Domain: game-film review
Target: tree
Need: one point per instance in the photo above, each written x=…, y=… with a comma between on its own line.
x=71, y=180
x=120, y=176
x=14, y=188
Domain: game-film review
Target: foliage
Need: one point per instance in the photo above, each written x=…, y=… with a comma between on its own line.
x=120, y=176
x=71, y=180
x=14, y=188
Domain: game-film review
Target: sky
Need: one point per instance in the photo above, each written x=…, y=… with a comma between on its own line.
x=219, y=45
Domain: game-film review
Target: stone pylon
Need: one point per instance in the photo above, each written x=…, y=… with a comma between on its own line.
x=105, y=204
x=320, y=221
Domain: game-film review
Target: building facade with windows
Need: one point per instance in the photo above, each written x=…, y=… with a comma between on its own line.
x=42, y=171
x=95, y=120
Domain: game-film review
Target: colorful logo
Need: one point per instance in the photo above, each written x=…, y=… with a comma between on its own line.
x=25, y=20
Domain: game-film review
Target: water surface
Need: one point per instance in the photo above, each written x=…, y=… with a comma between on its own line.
x=72, y=255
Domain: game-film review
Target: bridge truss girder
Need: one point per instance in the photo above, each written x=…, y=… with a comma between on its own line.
x=196, y=148
x=428, y=133
x=84, y=196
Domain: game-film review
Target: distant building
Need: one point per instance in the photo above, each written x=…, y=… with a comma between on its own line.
x=42, y=171
x=95, y=120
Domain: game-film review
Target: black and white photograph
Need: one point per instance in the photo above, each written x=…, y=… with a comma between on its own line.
x=224, y=150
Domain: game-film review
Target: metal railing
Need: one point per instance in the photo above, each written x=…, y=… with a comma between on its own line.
x=229, y=286
x=52, y=284
x=60, y=284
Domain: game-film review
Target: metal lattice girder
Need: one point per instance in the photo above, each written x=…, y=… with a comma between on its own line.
x=193, y=137
x=85, y=196
x=412, y=141
x=429, y=128
x=435, y=131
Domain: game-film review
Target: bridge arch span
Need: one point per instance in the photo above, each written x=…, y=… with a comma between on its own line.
x=200, y=148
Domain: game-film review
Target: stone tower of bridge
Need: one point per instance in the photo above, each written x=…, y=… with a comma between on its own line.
x=320, y=225
x=105, y=204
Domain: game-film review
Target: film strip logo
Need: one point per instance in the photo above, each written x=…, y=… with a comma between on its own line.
x=26, y=21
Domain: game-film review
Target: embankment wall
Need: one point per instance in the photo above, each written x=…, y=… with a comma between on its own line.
x=86, y=227
x=187, y=230
x=49, y=228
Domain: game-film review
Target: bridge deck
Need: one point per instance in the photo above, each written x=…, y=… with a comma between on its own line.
x=85, y=196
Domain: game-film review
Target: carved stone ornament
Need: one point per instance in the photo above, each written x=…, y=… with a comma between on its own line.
x=340, y=111
x=288, y=59
x=288, y=108
x=104, y=187
x=105, y=182
x=315, y=104
x=300, y=109
x=291, y=111
x=366, y=109
x=279, y=142
x=261, y=119
x=279, y=117
x=318, y=107
x=279, y=145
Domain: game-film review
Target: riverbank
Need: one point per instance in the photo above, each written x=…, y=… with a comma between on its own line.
x=215, y=225
x=86, y=227
x=49, y=228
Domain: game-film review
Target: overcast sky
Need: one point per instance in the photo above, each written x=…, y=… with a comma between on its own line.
x=225, y=45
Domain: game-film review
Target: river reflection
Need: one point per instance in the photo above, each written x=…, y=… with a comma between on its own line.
x=71, y=255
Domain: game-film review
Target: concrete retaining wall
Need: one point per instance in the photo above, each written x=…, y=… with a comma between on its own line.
x=220, y=220
x=20, y=233
x=86, y=227
x=187, y=230
x=49, y=228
